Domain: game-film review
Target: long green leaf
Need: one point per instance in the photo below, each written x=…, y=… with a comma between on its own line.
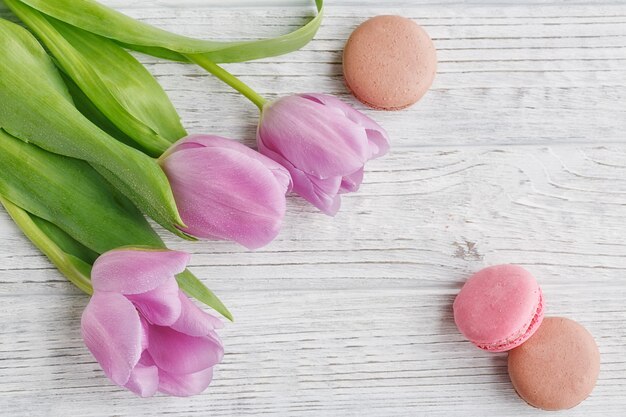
x=64, y=241
x=99, y=19
x=196, y=289
x=120, y=87
x=70, y=194
x=90, y=111
x=34, y=107
x=75, y=270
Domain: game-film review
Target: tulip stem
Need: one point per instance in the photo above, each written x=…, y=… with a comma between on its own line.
x=75, y=270
x=228, y=78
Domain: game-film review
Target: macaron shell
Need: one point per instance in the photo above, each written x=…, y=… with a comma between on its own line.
x=389, y=62
x=499, y=307
x=557, y=368
x=522, y=336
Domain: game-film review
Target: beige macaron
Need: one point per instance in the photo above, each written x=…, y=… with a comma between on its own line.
x=557, y=367
x=389, y=62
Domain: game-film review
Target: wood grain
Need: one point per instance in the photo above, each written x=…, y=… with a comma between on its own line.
x=517, y=155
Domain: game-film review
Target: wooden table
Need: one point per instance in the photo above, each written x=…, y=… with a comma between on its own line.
x=516, y=155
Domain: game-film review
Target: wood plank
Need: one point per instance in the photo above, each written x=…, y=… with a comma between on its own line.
x=423, y=217
x=497, y=82
x=370, y=352
x=506, y=73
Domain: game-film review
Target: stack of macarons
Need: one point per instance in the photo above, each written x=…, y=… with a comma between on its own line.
x=553, y=362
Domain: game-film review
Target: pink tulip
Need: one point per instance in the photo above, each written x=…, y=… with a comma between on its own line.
x=323, y=142
x=225, y=190
x=145, y=333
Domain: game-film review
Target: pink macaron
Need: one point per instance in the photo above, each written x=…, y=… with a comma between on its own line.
x=499, y=307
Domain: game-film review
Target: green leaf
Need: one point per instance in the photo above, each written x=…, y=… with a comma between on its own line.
x=75, y=270
x=70, y=194
x=196, y=289
x=64, y=241
x=101, y=20
x=35, y=107
x=114, y=81
x=91, y=112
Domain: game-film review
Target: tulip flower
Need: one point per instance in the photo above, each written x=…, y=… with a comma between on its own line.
x=145, y=333
x=225, y=190
x=323, y=142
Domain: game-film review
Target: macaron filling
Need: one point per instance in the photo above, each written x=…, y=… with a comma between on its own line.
x=522, y=335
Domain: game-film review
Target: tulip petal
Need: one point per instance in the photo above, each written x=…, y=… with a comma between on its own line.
x=352, y=182
x=377, y=136
x=178, y=353
x=145, y=326
x=379, y=144
x=135, y=271
x=194, y=321
x=112, y=331
x=327, y=191
x=318, y=140
x=144, y=380
x=212, y=141
x=185, y=385
x=222, y=193
x=321, y=193
x=160, y=306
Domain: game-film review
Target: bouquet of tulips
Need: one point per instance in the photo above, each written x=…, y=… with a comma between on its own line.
x=90, y=144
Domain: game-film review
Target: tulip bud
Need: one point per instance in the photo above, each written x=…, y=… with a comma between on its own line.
x=324, y=144
x=145, y=333
x=225, y=190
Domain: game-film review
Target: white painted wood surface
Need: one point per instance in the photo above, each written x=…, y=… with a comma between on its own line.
x=517, y=155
